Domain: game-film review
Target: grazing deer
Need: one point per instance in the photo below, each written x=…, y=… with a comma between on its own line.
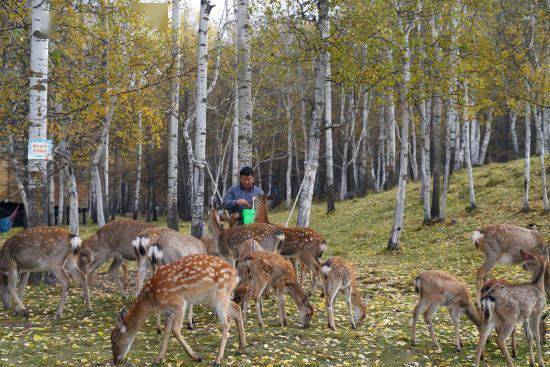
x=268, y=268
x=501, y=244
x=192, y=279
x=41, y=249
x=505, y=306
x=114, y=240
x=340, y=276
x=300, y=244
x=231, y=219
x=436, y=289
x=532, y=267
x=227, y=241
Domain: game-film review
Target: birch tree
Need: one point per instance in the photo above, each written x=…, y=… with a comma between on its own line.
x=199, y=162
x=328, y=127
x=38, y=107
x=244, y=76
x=527, y=167
x=137, y=191
x=467, y=156
x=436, y=128
x=172, y=164
x=512, y=116
x=542, y=149
x=486, y=138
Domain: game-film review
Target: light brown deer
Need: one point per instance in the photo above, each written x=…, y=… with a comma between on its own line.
x=192, y=279
x=114, y=240
x=300, y=244
x=436, y=289
x=505, y=306
x=501, y=244
x=532, y=267
x=41, y=249
x=340, y=276
x=231, y=219
x=268, y=268
x=227, y=241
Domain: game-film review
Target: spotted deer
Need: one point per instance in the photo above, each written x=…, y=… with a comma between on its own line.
x=231, y=219
x=227, y=241
x=338, y=275
x=114, y=240
x=501, y=244
x=41, y=249
x=435, y=289
x=268, y=268
x=301, y=244
x=532, y=267
x=193, y=279
x=507, y=305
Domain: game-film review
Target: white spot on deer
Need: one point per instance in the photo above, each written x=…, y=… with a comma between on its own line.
x=75, y=243
x=135, y=242
x=476, y=236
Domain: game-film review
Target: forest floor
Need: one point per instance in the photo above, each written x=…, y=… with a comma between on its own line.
x=359, y=232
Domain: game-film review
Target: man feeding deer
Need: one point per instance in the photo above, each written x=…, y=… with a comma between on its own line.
x=241, y=196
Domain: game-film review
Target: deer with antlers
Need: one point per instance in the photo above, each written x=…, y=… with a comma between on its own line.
x=505, y=306
x=114, y=240
x=268, y=268
x=340, y=276
x=192, y=279
x=41, y=249
x=435, y=289
x=300, y=244
x=501, y=244
x=227, y=241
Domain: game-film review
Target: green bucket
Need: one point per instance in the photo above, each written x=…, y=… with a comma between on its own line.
x=249, y=216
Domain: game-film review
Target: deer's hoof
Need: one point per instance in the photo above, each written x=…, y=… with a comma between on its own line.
x=25, y=313
x=458, y=349
x=190, y=326
x=240, y=351
x=159, y=331
x=413, y=343
x=353, y=327
x=158, y=361
x=197, y=358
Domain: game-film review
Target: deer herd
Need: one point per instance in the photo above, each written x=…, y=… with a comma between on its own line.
x=243, y=263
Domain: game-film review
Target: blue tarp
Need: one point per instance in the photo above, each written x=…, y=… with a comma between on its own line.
x=5, y=224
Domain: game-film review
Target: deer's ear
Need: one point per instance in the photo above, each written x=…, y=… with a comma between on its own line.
x=120, y=318
x=526, y=255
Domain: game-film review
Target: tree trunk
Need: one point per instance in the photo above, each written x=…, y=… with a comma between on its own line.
x=61, y=196
x=137, y=193
x=331, y=207
x=346, y=135
x=38, y=107
x=244, y=76
x=513, y=114
x=353, y=162
x=486, y=137
x=541, y=145
x=289, y=139
x=235, y=137
x=527, y=168
x=412, y=152
x=391, y=144
x=436, y=132
x=51, y=193
x=199, y=162
x=425, y=174
x=467, y=156
x=18, y=177
x=364, y=142
x=381, y=174
x=106, y=208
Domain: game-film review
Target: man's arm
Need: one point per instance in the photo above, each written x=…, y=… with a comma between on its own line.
x=229, y=201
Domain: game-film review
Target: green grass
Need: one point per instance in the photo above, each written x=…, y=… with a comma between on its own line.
x=358, y=231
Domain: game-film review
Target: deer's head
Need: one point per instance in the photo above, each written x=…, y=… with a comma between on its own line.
x=121, y=339
x=306, y=312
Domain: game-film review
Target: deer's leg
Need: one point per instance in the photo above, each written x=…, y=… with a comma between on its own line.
x=113, y=271
x=282, y=313
x=347, y=293
x=311, y=264
x=83, y=281
x=535, y=327
x=177, y=323
x=504, y=333
x=419, y=308
x=166, y=337
x=454, y=312
x=428, y=315
x=223, y=312
x=65, y=282
x=258, y=299
x=13, y=277
x=483, y=335
x=190, y=318
x=6, y=298
x=331, y=291
x=514, y=346
x=481, y=277
x=22, y=284
x=529, y=340
x=235, y=313
x=125, y=274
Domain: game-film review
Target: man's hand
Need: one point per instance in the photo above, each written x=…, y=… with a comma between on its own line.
x=242, y=202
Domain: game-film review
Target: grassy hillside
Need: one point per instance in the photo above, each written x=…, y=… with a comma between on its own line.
x=359, y=232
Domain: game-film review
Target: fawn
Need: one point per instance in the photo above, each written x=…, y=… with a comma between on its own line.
x=437, y=288
x=505, y=306
x=340, y=276
x=192, y=279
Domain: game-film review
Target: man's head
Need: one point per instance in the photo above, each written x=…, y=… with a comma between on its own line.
x=246, y=177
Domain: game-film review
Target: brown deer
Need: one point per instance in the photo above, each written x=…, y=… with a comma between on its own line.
x=532, y=267
x=268, y=268
x=300, y=244
x=41, y=249
x=340, y=276
x=436, y=289
x=505, y=306
x=231, y=219
x=192, y=279
x=114, y=240
x=227, y=241
x=501, y=244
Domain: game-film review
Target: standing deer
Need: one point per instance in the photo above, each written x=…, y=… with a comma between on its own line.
x=501, y=244
x=300, y=244
x=532, y=267
x=505, y=306
x=227, y=241
x=41, y=249
x=268, y=268
x=114, y=240
x=340, y=276
x=192, y=279
x=436, y=289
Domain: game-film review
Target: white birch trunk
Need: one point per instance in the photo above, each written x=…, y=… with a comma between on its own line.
x=73, y=201
x=235, y=142
x=513, y=115
x=486, y=137
x=51, y=193
x=328, y=132
x=353, y=162
x=425, y=174
x=289, y=138
x=527, y=168
x=475, y=134
x=541, y=145
x=467, y=156
x=244, y=76
x=390, y=129
x=61, y=196
x=344, y=173
x=381, y=174
x=137, y=192
x=106, y=177
x=197, y=224
x=364, y=133
x=413, y=153
x=38, y=107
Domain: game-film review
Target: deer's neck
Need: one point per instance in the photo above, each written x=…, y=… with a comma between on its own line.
x=540, y=275
x=138, y=313
x=261, y=216
x=472, y=314
x=297, y=294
